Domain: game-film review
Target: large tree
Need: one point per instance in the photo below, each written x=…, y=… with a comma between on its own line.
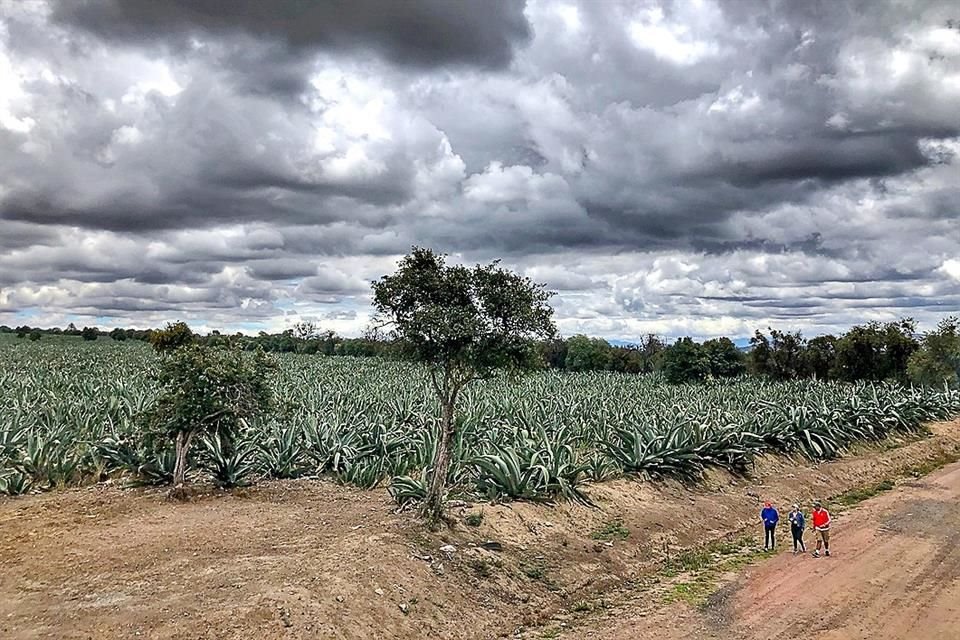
x=464, y=323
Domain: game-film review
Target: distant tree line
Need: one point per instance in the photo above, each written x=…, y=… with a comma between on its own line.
x=872, y=351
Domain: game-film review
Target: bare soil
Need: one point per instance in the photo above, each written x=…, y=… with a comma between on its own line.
x=311, y=559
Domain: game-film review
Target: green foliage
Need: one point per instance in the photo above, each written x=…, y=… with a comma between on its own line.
x=34, y=335
x=723, y=358
x=14, y=483
x=780, y=357
x=118, y=334
x=541, y=469
x=463, y=324
x=72, y=412
x=174, y=336
x=587, y=354
x=231, y=461
x=553, y=353
x=937, y=361
x=212, y=392
x=282, y=453
x=876, y=351
x=407, y=491
x=474, y=519
x=613, y=530
x=685, y=361
x=819, y=357
x=89, y=333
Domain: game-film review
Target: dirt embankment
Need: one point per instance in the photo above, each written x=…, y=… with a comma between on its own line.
x=894, y=574
x=310, y=559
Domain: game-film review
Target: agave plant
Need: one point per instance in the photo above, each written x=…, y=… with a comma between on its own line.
x=281, y=455
x=366, y=473
x=407, y=491
x=14, y=483
x=232, y=464
x=156, y=468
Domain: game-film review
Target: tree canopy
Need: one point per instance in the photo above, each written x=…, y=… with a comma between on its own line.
x=207, y=390
x=464, y=323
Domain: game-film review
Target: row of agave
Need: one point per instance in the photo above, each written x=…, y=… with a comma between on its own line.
x=69, y=414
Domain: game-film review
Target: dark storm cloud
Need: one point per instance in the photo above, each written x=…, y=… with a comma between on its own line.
x=423, y=33
x=676, y=167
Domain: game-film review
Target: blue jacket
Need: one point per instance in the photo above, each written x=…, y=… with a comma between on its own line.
x=770, y=516
x=797, y=520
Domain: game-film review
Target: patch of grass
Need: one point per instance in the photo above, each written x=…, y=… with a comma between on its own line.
x=856, y=496
x=613, y=530
x=474, y=519
x=534, y=570
x=693, y=593
x=551, y=632
x=537, y=570
x=581, y=606
x=929, y=466
x=692, y=560
x=705, y=567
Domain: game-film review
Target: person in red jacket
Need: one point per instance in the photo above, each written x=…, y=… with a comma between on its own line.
x=821, y=525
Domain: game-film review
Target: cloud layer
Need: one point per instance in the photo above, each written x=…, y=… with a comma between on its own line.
x=693, y=168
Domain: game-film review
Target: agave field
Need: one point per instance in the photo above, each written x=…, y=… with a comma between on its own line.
x=70, y=414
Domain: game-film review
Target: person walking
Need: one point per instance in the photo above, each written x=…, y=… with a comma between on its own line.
x=821, y=527
x=796, y=528
x=770, y=517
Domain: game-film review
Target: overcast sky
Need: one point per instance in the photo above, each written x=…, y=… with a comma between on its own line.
x=695, y=167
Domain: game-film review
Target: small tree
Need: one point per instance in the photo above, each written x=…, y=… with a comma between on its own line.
x=34, y=335
x=819, y=357
x=587, y=354
x=938, y=359
x=174, y=336
x=780, y=357
x=89, y=333
x=207, y=390
x=652, y=348
x=724, y=358
x=685, y=361
x=464, y=324
x=118, y=334
x=876, y=351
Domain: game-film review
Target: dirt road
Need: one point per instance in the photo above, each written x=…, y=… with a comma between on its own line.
x=894, y=575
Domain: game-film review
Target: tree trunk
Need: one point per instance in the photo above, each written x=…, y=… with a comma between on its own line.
x=180, y=468
x=433, y=506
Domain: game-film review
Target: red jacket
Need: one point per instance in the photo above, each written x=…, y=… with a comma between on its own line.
x=821, y=519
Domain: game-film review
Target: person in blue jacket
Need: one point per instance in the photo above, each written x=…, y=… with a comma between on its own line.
x=770, y=519
x=797, y=522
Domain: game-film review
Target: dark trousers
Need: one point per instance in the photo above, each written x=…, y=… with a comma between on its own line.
x=768, y=541
x=798, y=539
